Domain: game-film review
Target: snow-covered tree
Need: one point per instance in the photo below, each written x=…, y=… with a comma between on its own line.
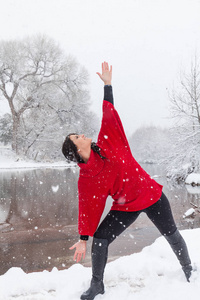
x=6, y=129
x=46, y=127
x=45, y=90
x=185, y=107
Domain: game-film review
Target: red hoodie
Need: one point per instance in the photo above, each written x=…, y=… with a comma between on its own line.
x=119, y=175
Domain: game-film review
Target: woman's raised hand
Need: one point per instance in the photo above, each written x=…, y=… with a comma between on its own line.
x=80, y=250
x=106, y=75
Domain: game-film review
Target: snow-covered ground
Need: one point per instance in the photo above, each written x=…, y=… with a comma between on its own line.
x=152, y=274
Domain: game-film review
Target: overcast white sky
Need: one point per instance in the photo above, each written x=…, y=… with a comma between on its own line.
x=148, y=42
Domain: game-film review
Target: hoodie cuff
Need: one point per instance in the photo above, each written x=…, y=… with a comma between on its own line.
x=84, y=237
x=108, y=93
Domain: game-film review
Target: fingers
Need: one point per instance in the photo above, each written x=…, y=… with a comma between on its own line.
x=75, y=255
x=78, y=256
x=99, y=74
x=80, y=251
x=71, y=248
x=105, y=67
x=106, y=71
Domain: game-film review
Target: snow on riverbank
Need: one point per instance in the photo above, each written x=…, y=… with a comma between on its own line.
x=193, y=179
x=193, y=183
x=8, y=161
x=152, y=274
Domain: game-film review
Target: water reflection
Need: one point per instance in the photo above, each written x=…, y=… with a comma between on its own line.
x=38, y=214
x=38, y=218
x=41, y=198
x=180, y=197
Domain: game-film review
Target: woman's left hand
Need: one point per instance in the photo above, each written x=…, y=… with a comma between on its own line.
x=106, y=75
x=80, y=250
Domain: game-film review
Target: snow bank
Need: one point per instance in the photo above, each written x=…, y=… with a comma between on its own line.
x=189, y=213
x=193, y=179
x=10, y=161
x=192, y=189
x=21, y=164
x=152, y=274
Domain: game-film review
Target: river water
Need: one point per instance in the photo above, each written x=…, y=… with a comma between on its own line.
x=39, y=211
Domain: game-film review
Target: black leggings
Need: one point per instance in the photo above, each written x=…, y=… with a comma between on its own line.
x=117, y=221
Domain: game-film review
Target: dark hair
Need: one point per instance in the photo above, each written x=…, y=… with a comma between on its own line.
x=70, y=150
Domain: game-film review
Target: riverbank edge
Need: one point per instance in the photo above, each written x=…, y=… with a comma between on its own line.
x=31, y=165
x=8, y=163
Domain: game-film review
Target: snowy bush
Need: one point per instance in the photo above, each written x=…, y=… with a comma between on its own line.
x=185, y=107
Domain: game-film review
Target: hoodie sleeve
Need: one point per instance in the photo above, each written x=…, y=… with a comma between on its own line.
x=112, y=136
x=92, y=200
x=108, y=94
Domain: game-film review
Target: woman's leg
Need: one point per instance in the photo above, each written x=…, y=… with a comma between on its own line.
x=111, y=227
x=114, y=224
x=99, y=258
x=161, y=215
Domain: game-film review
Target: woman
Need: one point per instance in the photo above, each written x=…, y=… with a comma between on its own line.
x=108, y=168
